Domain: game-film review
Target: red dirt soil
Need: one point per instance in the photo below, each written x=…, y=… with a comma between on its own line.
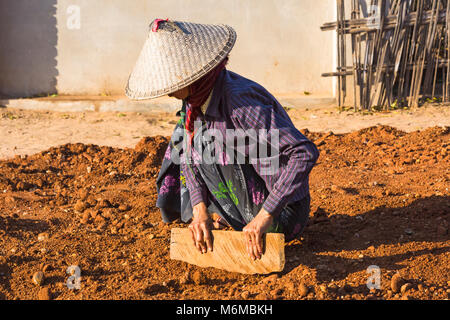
x=379, y=197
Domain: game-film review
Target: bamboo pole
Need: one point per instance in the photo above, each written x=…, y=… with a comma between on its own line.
x=397, y=61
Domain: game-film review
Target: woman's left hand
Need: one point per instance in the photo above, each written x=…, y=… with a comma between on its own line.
x=254, y=232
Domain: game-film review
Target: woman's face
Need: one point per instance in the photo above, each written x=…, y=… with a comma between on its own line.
x=181, y=94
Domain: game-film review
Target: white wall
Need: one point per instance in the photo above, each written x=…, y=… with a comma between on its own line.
x=279, y=44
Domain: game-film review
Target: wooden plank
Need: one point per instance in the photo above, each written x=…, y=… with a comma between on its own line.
x=229, y=252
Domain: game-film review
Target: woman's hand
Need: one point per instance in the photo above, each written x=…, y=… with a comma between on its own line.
x=254, y=231
x=200, y=227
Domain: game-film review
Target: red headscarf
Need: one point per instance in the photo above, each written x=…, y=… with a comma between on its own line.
x=200, y=91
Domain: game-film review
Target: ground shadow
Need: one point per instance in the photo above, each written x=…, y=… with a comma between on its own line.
x=6, y=270
x=5, y=277
x=17, y=227
x=28, y=48
x=416, y=222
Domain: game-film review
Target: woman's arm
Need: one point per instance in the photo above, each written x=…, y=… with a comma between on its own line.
x=194, y=183
x=297, y=156
x=201, y=223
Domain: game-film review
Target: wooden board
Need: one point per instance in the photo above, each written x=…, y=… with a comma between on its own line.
x=229, y=252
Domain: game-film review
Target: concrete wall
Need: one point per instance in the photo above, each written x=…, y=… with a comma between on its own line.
x=28, y=47
x=279, y=43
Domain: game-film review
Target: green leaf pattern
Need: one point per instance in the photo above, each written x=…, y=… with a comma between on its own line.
x=223, y=190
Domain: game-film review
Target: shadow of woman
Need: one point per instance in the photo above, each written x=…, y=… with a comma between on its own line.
x=341, y=244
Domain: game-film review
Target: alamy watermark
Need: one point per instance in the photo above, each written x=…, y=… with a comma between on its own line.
x=228, y=146
x=74, y=281
x=374, y=280
x=73, y=17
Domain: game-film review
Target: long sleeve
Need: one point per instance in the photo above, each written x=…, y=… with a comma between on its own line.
x=297, y=155
x=197, y=189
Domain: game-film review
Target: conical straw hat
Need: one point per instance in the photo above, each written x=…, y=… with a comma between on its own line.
x=177, y=54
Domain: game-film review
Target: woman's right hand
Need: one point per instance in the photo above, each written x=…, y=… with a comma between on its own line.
x=200, y=227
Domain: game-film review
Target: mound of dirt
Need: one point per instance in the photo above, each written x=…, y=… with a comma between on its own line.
x=379, y=197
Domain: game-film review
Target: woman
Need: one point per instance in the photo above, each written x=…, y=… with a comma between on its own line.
x=268, y=193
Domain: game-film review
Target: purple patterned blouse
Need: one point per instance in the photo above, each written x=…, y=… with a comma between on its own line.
x=239, y=103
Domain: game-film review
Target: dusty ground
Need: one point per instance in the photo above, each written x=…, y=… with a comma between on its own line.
x=379, y=197
x=28, y=132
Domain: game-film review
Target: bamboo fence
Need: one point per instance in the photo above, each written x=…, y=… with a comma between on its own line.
x=399, y=52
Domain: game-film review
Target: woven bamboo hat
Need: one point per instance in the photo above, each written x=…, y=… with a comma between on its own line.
x=175, y=55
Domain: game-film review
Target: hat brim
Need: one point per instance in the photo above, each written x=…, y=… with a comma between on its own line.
x=172, y=60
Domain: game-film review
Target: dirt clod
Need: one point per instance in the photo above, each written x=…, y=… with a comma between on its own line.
x=46, y=268
x=185, y=278
x=397, y=282
x=303, y=290
x=276, y=293
x=198, y=278
x=124, y=207
x=80, y=206
x=271, y=278
x=44, y=294
x=406, y=287
x=38, y=278
x=43, y=236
